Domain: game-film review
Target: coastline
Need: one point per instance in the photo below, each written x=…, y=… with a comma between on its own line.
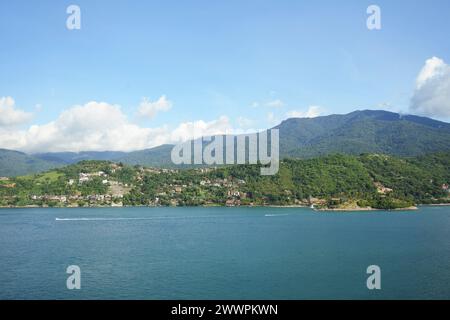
x=363, y=209
x=412, y=208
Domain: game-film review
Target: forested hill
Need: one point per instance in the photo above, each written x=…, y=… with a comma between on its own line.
x=369, y=180
x=363, y=132
x=354, y=133
x=14, y=163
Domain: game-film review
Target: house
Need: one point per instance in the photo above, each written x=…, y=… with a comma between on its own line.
x=382, y=189
x=233, y=193
x=83, y=177
x=98, y=174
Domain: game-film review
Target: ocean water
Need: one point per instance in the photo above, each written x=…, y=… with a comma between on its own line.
x=223, y=253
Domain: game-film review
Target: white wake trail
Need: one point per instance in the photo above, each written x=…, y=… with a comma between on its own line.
x=99, y=219
x=135, y=218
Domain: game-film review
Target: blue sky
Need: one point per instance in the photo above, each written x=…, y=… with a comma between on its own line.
x=253, y=62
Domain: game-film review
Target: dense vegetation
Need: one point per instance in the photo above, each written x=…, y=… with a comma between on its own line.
x=13, y=163
x=363, y=132
x=334, y=181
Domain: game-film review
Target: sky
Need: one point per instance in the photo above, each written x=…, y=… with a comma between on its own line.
x=138, y=74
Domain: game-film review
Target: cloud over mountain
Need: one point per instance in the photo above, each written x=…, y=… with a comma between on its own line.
x=99, y=126
x=432, y=91
x=311, y=112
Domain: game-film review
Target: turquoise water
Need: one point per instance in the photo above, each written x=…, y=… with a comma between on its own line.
x=223, y=253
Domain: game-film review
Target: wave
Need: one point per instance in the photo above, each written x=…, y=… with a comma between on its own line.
x=276, y=215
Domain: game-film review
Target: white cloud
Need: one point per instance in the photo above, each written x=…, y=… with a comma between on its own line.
x=200, y=128
x=311, y=112
x=197, y=129
x=432, y=92
x=99, y=126
x=432, y=68
x=10, y=115
x=93, y=126
x=150, y=109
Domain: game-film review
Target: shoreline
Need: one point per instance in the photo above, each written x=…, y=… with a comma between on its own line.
x=412, y=208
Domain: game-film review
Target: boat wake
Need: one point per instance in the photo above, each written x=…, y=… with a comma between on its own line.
x=99, y=219
x=134, y=218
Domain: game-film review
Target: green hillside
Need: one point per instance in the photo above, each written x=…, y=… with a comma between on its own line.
x=363, y=132
x=13, y=163
x=354, y=133
x=334, y=181
x=158, y=156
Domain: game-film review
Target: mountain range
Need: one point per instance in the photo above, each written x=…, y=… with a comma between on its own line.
x=367, y=131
